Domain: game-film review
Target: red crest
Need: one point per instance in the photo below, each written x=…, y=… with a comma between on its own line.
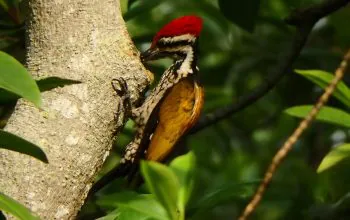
x=189, y=24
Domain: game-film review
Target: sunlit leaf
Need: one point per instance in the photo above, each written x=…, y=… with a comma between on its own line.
x=242, y=13
x=111, y=216
x=326, y=114
x=323, y=79
x=129, y=214
x=12, y=142
x=141, y=205
x=162, y=183
x=43, y=84
x=183, y=167
x=11, y=206
x=15, y=78
x=335, y=156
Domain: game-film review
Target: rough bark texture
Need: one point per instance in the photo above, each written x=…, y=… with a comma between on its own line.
x=81, y=40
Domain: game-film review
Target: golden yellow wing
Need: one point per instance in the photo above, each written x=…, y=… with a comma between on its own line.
x=178, y=112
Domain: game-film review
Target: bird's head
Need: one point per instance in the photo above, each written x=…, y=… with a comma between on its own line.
x=175, y=38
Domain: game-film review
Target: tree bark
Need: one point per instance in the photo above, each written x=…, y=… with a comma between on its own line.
x=80, y=40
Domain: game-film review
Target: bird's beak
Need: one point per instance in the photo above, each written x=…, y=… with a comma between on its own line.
x=150, y=54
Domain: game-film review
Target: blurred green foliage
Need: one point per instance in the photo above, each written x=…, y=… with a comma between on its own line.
x=240, y=45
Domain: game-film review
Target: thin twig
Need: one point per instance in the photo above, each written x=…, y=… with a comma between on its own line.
x=287, y=146
x=304, y=19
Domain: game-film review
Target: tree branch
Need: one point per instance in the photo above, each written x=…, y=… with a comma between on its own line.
x=288, y=144
x=304, y=19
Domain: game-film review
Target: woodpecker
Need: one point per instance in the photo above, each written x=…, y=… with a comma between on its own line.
x=180, y=108
x=173, y=106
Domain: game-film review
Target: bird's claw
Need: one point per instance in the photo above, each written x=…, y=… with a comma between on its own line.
x=121, y=88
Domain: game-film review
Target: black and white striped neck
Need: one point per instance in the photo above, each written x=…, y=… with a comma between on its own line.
x=182, y=48
x=187, y=60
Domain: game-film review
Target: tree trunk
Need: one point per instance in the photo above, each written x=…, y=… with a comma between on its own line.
x=80, y=40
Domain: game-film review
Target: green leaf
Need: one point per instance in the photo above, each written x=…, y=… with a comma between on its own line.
x=336, y=155
x=183, y=167
x=15, y=78
x=242, y=13
x=162, y=182
x=12, y=142
x=326, y=114
x=143, y=206
x=323, y=79
x=43, y=84
x=112, y=216
x=129, y=214
x=11, y=206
